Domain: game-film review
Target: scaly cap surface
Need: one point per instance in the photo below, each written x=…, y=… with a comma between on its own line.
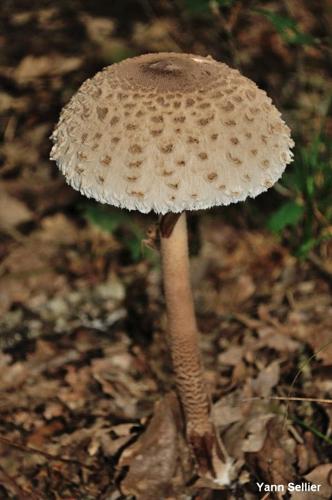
x=171, y=132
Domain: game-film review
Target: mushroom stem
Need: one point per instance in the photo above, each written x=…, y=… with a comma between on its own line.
x=211, y=457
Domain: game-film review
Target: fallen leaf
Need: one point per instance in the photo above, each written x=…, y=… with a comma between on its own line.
x=232, y=356
x=12, y=211
x=158, y=462
x=256, y=432
x=319, y=336
x=270, y=337
x=267, y=379
x=321, y=475
x=33, y=67
x=155, y=36
x=277, y=456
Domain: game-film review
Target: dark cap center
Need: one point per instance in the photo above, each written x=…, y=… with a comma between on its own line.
x=169, y=72
x=163, y=66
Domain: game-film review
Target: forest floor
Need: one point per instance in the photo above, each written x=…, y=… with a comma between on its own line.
x=85, y=375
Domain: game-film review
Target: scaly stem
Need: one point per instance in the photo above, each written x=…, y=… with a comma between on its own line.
x=183, y=340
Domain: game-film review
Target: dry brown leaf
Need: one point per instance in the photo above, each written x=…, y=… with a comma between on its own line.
x=225, y=412
x=234, y=293
x=246, y=420
x=256, y=432
x=306, y=453
x=232, y=356
x=99, y=29
x=9, y=103
x=12, y=211
x=320, y=339
x=104, y=438
x=29, y=271
x=155, y=36
x=266, y=379
x=277, y=456
x=321, y=475
x=33, y=67
x=272, y=338
x=58, y=229
x=158, y=462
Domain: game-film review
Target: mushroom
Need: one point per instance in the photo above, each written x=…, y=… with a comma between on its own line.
x=171, y=133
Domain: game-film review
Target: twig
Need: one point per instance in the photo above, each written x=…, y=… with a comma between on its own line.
x=296, y=435
x=29, y=449
x=320, y=266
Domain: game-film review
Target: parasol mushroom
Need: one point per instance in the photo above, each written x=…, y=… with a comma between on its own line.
x=171, y=133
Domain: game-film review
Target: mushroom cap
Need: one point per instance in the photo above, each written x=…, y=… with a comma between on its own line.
x=170, y=132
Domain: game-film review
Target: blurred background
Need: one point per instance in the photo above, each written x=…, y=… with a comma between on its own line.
x=80, y=295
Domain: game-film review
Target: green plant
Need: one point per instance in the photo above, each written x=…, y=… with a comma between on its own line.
x=286, y=27
x=112, y=220
x=312, y=428
x=309, y=185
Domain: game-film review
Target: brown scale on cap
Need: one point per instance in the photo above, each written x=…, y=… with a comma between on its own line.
x=131, y=126
x=135, y=164
x=157, y=119
x=157, y=132
x=130, y=105
x=189, y=102
x=135, y=149
x=101, y=112
x=79, y=170
x=203, y=156
x=179, y=119
x=105, y=160
x=268, y=183
x=212, y=176
x=154, y=105
x=81, y=156
x=114, y=120
x=167, y=148
x=132, y=178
